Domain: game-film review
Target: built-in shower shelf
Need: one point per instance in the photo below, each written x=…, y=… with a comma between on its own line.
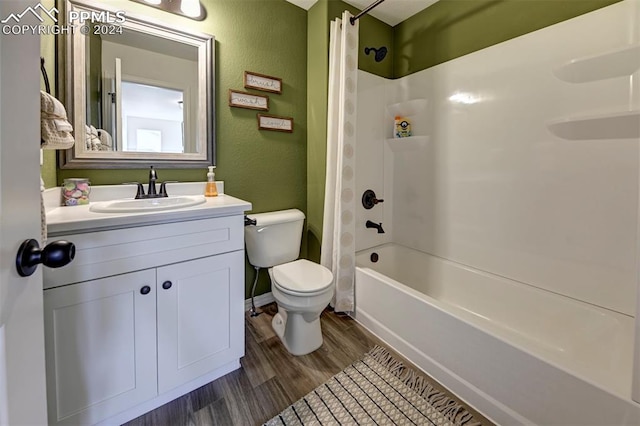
x=619, y=62
x=411, y=143
x=618, y=125
x=415, y=111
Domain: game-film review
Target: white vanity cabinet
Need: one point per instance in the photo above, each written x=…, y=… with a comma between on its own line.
x=142, y=316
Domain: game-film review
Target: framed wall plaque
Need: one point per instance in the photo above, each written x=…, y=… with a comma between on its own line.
x=275, y=123
x=253, y=80
x=248, y=100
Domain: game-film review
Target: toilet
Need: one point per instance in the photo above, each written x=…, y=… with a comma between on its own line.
x=301, y=288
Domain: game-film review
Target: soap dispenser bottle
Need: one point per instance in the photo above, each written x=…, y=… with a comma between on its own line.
x=211, y=190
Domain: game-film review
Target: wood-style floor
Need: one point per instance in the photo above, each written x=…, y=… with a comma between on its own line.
x=270, y=379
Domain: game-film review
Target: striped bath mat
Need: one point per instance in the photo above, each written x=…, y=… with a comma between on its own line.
x=376, y=390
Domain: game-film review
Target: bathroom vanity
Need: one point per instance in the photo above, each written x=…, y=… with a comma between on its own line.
x=151, y=307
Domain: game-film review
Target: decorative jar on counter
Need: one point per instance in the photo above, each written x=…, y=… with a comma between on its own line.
x=75, y=191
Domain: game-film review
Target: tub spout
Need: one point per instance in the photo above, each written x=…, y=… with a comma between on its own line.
x=377, y=226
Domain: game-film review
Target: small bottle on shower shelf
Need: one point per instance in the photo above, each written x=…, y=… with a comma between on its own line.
x=402, y=127
x=211, y=190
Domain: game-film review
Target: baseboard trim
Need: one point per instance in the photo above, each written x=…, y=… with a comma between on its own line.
x=260, y=300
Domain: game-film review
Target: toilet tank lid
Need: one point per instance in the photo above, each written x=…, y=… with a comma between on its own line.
x=276, y=217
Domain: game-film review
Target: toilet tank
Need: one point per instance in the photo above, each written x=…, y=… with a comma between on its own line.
x=275, y=239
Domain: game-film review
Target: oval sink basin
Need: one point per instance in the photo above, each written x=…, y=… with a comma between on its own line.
x=146, y=204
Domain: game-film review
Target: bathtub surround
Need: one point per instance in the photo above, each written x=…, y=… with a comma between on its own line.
x=493, y=187
x=376, y=389
x=338, y=243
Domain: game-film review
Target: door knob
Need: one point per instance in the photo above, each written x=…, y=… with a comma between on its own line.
x=53, y=255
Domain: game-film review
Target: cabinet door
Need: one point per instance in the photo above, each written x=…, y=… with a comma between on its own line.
x=200, y=317
x=100, y=339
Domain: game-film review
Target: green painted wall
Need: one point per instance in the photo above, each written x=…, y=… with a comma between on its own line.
x=264, y=167
x=452, y=28
x=317, y=89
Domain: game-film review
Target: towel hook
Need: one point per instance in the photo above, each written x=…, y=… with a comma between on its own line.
x=47, y=87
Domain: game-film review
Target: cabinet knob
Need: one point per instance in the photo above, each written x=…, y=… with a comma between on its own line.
x=145, y=290
x=167, y=285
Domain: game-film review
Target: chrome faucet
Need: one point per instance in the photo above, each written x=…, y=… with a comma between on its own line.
x=374, y=225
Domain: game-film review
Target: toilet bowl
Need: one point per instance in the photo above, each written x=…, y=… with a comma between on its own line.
x=301, y=288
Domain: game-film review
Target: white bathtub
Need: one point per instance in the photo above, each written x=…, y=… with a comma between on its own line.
x=516, y=353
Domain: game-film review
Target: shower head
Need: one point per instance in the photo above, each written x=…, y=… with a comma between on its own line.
x=379, y=53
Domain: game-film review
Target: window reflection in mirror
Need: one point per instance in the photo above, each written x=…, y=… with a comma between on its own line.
x=138, y=91
x=152, y=118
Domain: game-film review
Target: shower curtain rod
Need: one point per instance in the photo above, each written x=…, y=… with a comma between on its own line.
x=364, y=12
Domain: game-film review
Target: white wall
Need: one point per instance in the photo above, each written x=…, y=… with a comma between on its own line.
x=493, y=187
x=372, y=172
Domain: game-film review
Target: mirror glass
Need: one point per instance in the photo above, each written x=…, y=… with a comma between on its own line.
x=137, y=92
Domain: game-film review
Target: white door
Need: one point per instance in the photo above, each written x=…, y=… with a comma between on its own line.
x=22, y=371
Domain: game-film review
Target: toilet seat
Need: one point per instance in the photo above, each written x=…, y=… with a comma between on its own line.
x=302, y=278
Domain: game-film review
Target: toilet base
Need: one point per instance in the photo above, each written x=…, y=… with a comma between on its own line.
x=299, y=336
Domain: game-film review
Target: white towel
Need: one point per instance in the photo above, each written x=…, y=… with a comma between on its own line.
x=92, y=141
x=105, y=138
x=55, y=129
x=87, y=137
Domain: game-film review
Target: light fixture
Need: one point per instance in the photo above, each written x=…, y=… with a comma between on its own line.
x=192, y=9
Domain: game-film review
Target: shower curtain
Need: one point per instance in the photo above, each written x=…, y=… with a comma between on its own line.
x=338, y=232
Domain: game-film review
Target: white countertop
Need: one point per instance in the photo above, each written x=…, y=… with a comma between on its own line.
x=78, y=219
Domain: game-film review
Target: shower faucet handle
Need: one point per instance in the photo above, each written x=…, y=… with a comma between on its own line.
x=369, y=199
